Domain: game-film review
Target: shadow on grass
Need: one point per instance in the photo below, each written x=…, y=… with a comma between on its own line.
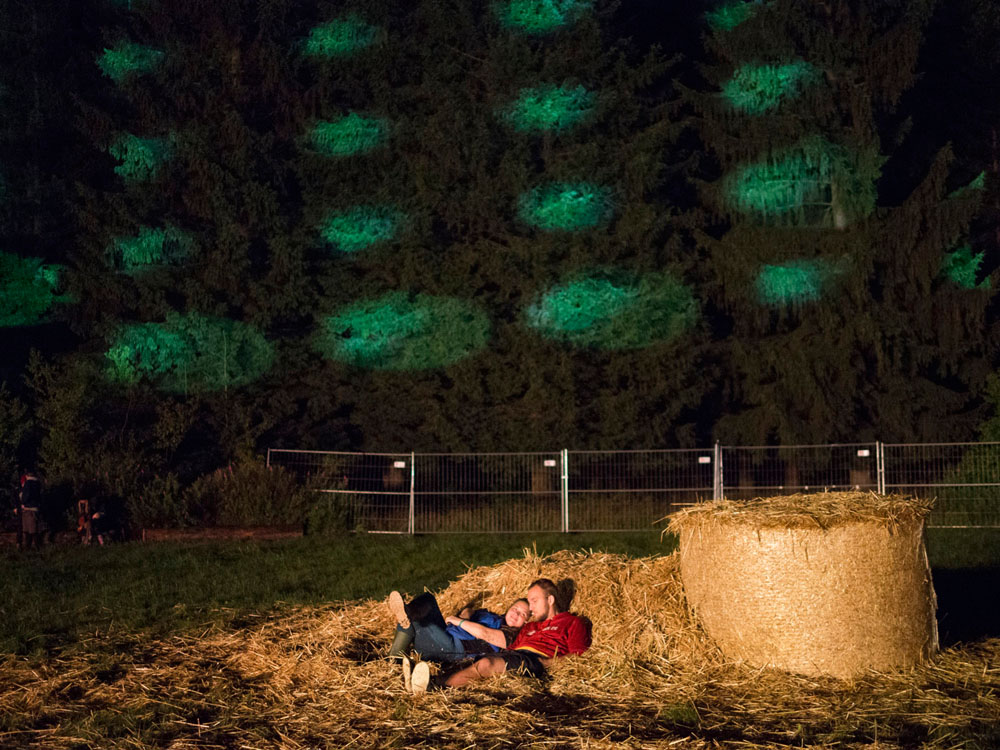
x=968, y=604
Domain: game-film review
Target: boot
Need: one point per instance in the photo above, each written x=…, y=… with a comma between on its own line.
x=401, y=643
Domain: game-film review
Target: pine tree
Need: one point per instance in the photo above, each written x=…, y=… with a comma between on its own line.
x=486, y=182
x=854, y=299
x=188, y=264
x=36, y=169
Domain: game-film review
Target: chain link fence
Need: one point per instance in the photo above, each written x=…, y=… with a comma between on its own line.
x=634, y=490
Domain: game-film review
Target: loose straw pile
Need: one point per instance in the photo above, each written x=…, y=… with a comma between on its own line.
x=317, y=677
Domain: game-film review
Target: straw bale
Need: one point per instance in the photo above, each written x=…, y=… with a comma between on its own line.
x=820, y=585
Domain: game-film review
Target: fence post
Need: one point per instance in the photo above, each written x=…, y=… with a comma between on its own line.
x=717, y=489
x=564, y=491
x=413, y=476
x=880, y=467
x=269, y=458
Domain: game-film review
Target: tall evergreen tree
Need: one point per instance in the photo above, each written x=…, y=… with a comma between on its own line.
x=499, y=271
x=187, y=266
x=853, y=316
x=36, y=169
x=39, y=72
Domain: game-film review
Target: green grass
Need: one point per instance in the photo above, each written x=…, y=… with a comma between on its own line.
x=955, y=549
x=53, y=599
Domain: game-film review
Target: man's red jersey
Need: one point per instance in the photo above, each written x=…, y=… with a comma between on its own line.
x=561, y=634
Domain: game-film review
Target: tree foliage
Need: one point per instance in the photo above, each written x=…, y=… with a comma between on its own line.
x=492, y=225
x=849, y=315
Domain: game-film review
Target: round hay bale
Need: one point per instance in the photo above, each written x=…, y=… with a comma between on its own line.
x=824, y=584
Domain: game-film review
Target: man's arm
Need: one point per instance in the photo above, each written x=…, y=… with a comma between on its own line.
x=490, y=635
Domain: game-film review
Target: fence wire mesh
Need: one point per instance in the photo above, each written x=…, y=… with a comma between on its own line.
x=631, y=490
x=963, y=478
x=634, y=490
x=755, y=471
x=499, y=492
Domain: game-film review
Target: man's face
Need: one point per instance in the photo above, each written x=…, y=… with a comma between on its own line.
x=540, y=603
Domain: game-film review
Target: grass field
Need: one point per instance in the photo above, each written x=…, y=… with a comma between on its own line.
x=79, y=624
x=49, y=598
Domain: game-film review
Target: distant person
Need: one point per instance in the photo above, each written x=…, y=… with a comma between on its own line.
x=551, y=633
x=83, y=521
x=108, y=520
x=457, y=637
x=29, y=510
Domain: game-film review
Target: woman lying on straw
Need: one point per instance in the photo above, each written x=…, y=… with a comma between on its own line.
x=550, y=633
x=454, y=638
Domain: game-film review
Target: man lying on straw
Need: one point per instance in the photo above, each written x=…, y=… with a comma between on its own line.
x=550, y=633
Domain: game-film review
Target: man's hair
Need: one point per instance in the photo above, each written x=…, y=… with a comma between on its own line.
x=550, y=589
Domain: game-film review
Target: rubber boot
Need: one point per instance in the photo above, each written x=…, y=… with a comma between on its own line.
x=401, y=643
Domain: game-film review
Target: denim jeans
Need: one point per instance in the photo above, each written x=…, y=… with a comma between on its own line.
x=430, y=635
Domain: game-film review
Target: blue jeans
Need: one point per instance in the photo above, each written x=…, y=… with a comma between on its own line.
x=430, y=635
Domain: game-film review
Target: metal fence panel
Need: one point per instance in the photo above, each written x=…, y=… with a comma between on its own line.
x=761, y=471
x=375, y=487
x=631, y=490
x=963, y=478
x=493, y=492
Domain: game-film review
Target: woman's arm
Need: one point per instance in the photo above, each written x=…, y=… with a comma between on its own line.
x=490, y=635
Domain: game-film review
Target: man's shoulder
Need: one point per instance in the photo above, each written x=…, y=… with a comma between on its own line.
x=566, y=617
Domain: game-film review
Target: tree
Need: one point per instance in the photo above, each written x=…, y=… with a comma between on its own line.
x=37, y=166
x=497, y=264
x=853, y=296
x=188, y=269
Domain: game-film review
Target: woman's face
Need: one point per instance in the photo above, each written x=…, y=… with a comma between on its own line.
x=517, y=615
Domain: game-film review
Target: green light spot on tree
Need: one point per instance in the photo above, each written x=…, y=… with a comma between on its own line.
x=128, y=59
x=797, y=281
x=151, y=248
x=962, y=267
x=141, y=158
x=349, y=135
x=541, y=16
x=361, y=227
x=812, y=184
x=756, y=89
x=190, y=354
x=340, y=38
x=28, y=290
x=566, y=206
x=614, y=311
x=549, y=108
x=403, y=332
x=976, y=186
x=730, y=15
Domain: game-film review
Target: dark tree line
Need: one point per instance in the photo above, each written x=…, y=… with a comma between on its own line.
x=463, y=225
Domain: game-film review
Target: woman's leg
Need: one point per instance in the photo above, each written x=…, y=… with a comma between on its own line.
x=401, y=642
x=431, y=637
